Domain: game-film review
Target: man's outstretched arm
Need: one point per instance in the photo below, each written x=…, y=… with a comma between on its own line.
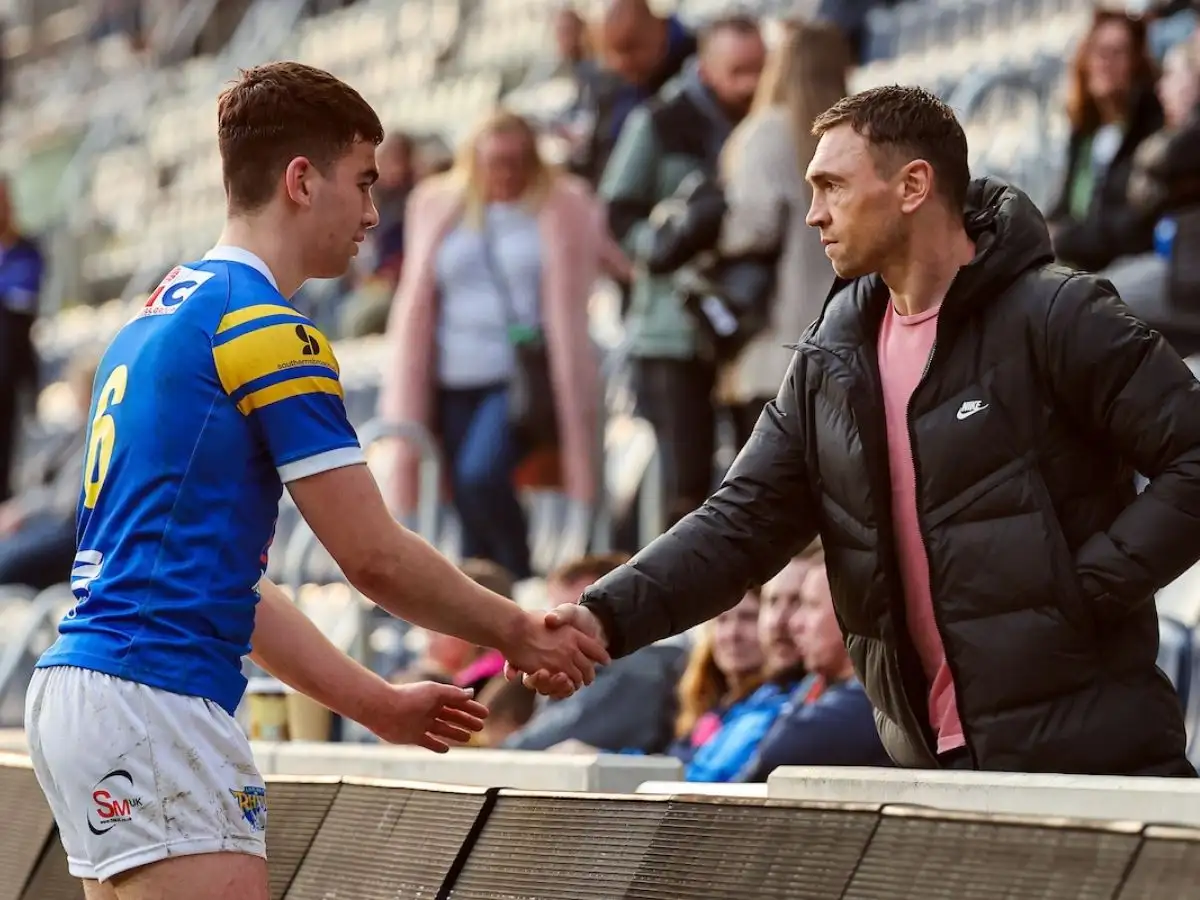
x=289, y=646
x=760, y=517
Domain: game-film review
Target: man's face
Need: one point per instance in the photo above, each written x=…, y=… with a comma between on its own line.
x=341, y=210
x=814, y=627
x=780, y=598
x=634, y=48
x=731, y=66
x=857, y=210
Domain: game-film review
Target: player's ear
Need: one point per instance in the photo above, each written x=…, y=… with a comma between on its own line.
x=297, y=180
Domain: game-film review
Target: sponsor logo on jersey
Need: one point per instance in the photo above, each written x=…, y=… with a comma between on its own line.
x=111, y=802
x=312, y=347
x=180, y=283
x=252, y=800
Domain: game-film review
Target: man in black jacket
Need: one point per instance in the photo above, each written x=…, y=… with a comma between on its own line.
x=1035, y=563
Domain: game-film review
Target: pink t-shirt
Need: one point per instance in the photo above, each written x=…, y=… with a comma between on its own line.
x=905, y=343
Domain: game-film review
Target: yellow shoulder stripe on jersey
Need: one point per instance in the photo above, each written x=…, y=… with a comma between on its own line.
x=283, y=390
x=258, y=311
x=259, y=362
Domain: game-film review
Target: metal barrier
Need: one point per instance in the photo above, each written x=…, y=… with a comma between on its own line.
x=373, y=840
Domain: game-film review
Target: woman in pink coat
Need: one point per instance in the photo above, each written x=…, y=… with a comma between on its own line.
x=499, y=241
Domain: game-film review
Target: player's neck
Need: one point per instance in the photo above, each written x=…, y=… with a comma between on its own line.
x=266, y=242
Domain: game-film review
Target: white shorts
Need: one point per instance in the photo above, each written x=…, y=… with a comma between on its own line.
x=135, y=775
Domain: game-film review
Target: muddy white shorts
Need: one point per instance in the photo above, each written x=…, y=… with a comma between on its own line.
x=135, y=775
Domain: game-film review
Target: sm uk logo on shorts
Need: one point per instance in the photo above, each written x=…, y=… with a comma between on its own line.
x=112, y=802
x=252, y=800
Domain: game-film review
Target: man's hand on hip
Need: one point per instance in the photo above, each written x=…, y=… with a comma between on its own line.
x=577, y=623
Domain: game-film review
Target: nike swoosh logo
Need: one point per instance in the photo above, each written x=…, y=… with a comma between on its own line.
x=967, y=413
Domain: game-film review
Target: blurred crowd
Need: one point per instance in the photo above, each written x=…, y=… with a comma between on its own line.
x=674, y=174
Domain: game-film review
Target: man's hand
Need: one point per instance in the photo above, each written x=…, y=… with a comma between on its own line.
x=426, y=714
x=554, y=683
x=563, y=658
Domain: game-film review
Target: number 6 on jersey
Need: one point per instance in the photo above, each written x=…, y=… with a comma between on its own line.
x=102, y=436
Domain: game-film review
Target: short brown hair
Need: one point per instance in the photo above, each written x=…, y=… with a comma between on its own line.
x=594, y=566
x=909, y=122
x=276, y=112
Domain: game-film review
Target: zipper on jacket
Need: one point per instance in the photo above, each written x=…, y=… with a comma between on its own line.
x=937, y=617
x=887, y=544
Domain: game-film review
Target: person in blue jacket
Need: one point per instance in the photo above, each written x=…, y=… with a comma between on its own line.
x=748, y=721
x=828, y=720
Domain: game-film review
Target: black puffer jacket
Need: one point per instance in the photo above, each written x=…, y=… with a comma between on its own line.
x=1043, y=560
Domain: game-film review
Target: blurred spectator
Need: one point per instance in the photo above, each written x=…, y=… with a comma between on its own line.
x=1112, y=108
x=631, y=703
x=763, y=167
x=1165, y=181
x=828, y=721
x=850, y=17
x=724, y=668
x=745, y=723
x=21, y=272
x=366, y=310
x=664, y=145
x=452, y=660
x=639, y=52
x=501, y=250
x=37, y=526
x=510, y=706
x=572, y=60
x=432, y=157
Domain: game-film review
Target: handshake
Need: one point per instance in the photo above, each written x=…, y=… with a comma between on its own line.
x=559, y=651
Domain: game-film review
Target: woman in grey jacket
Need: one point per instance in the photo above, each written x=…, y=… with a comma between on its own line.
x=763, y=167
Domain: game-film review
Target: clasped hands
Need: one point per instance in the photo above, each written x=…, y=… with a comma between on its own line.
x=559, y=653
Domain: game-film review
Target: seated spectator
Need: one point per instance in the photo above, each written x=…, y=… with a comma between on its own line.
x=1112, y=109
x=828, y=721
x=630, y=705
x=510, y=706
x=452, y=660
x=748, y=721
x=37, y=526
x=725, y=667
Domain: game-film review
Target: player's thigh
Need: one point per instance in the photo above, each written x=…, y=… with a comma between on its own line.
x=208, y=876
x=95, y=890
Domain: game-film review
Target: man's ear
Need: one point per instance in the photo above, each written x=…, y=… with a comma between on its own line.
x=297, y=181
x=915, y=185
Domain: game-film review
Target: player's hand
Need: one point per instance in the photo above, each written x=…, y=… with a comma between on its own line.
x=563, y=656
x=570, y=618
x=427, y=714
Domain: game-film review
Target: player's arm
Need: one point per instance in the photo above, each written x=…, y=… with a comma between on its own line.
x=281, y=374
x=289, y=646
x=395, y=567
